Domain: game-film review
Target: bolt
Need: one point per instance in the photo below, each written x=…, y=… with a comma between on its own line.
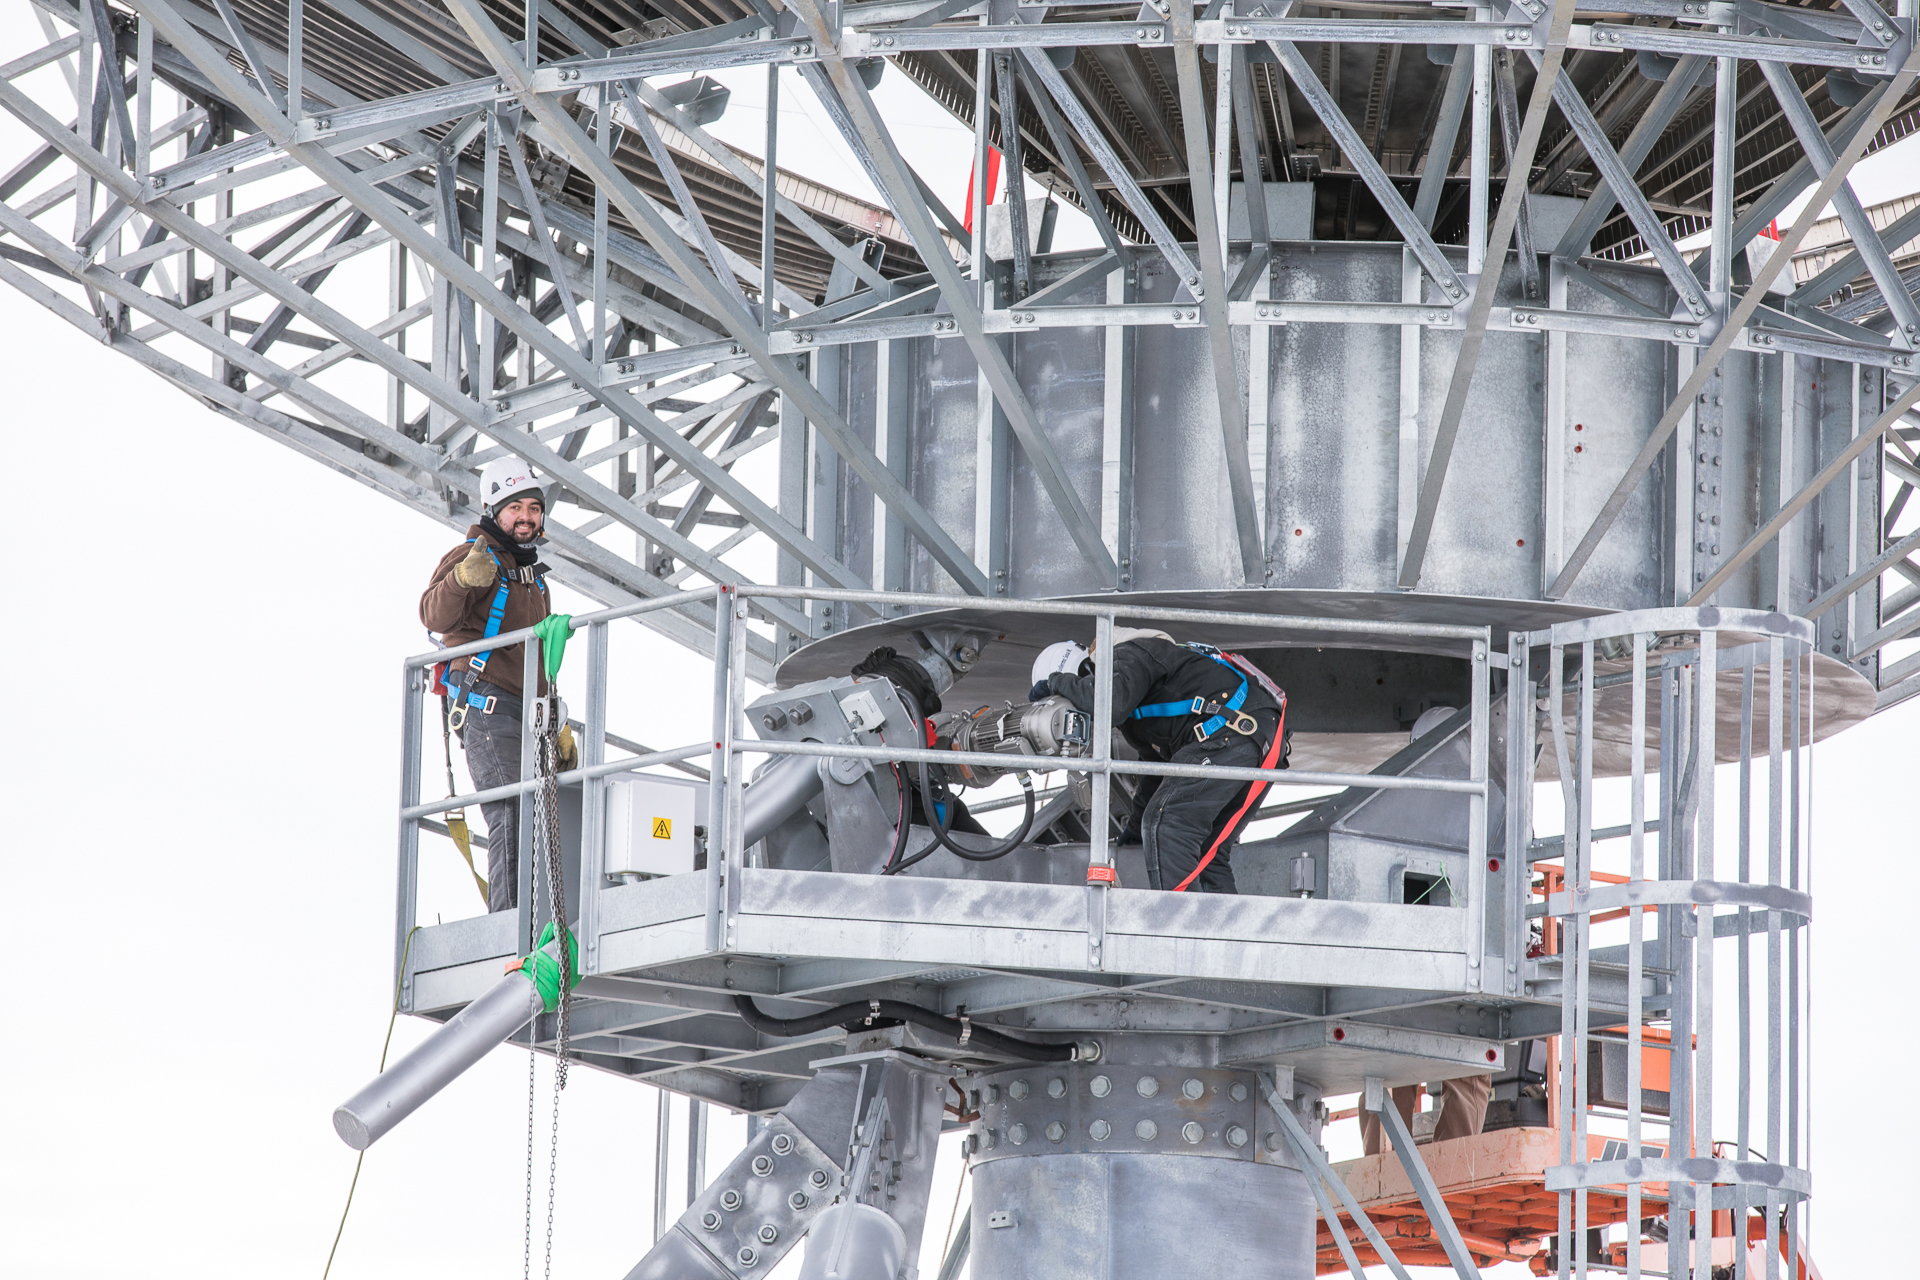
x=1056, y=1131
x=1100, y=1086
x=1192, y=1089
x=781, y=1142
x=818, y=1178
x=797, y=1201
x=1099, y=1131
x=1236, y=1136
x=1193, y=1132
x=1017, y=1135
x=1017, y=1090
x=730, y=1200
x=747, y=1256
x=1146, y=1086
x=1056, y=1088
x=710, y=1220
x=1237, y=1091
x=1146, y=1131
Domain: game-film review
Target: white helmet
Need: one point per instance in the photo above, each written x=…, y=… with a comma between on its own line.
x=1064, y=656
x=503, y=480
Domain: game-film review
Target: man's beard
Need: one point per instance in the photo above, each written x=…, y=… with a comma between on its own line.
x=522, y=531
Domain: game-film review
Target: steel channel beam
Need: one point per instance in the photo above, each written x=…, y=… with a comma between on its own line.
x=1811, y=490
x=1348, y=140
x=742, y=327
x=899, y=186
x=1866, y=240
x=1116, y=169
x=1467, y=362
x=1723, y=342
x=453, y=267
x=1617, y=173
x=1213, y=297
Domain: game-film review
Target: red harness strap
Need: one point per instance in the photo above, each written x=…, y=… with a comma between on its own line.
x=1253, y=797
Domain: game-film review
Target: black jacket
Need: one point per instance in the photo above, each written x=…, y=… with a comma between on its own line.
x=1147, y=670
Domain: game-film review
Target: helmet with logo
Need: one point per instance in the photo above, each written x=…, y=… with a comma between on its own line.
x=1064, y=656
x=503, y=480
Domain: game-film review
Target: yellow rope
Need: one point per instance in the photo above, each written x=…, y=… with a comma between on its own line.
x=392, y=1016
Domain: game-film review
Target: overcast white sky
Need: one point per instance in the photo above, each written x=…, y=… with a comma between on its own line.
x=199, y=789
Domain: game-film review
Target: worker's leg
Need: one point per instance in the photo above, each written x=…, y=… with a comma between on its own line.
x=1373, y=1134
x=1463, y=1107
x=492, y=743
x=1187, y=814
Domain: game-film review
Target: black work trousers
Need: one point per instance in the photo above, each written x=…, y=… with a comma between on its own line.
x=492, y=744
x=1186, y=816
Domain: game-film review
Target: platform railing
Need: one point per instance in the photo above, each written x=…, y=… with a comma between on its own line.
x=729, y=746
x=1682, y=654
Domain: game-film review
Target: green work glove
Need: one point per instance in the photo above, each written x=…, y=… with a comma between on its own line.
x=554, y=631
x=542, y=968
x=477, y=569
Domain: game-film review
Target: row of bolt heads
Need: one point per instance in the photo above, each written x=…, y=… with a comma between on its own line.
x=730, y=1200
x=1193, y=1132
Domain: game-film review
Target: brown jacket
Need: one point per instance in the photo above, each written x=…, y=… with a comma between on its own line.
x=459, y=614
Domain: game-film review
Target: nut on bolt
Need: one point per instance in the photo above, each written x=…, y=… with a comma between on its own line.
x=818, y=1178
x=781, y=1144
x=748, y=1255
x=798, y=1201
x=762, y=1166
x=710, y=1220
x=769, y=1233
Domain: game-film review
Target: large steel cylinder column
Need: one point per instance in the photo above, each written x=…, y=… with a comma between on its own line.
x=1111, y=1171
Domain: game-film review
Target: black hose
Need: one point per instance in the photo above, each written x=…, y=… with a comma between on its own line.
x=939, y=829
x=862, y=1013
x=902, y=826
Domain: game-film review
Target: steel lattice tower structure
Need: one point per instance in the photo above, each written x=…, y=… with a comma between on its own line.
x=1387, y=326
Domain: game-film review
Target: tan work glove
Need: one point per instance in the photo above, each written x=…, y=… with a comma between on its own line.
x=477, y=569
x=567, y=749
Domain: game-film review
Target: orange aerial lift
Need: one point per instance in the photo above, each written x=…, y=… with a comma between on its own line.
x=1494, y=1182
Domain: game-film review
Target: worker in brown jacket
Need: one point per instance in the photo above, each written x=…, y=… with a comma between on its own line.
x=492, y=582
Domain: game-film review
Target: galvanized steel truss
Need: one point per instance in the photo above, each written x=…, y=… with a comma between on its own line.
x=586, y=276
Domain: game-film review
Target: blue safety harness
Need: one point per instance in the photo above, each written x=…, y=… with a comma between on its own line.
x=1215, y=711
x=463, y=692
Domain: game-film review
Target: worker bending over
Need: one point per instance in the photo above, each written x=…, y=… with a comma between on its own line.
x=1185, y=704
x=492, y=582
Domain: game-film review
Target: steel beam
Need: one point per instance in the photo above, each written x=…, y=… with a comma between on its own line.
x=1710, y=358
x=1866, y=239
x=453, y=267
x=1348, y=140
x=1213, y=297
x=994, y=365
x=1467, y=362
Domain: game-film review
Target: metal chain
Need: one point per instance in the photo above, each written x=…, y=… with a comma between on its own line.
x=526, y=1225
x=547, y=841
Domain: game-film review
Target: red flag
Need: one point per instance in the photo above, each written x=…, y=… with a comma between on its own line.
x=993, y=180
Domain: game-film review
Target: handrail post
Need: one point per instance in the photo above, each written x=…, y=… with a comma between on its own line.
x=407, y=895
x=734, y=828
x=1100, y=775
x=529, y=769
x=593, y=799
x=718, y=760
x=1477, y=871
x=1521, y=736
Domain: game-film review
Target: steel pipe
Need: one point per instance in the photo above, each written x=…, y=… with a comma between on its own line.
x=398, y=1092
x=776, y=794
